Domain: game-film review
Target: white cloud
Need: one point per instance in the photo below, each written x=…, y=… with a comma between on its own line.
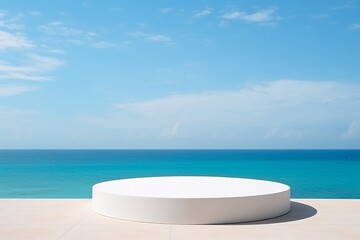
x=36, y=68
x=262, y=16
x=297, y=110
x=353, y=130
x=172, y=11
x=10, y=32
x=59, y=28
x=35, y=13
x=74, y=36
x=233, y=15
x=175, y=131
x=354, y=27
x=151, y=37
x=158, y=38
x=11, y=22
x=276, y=94
x=14, y=90
x=203, y=13
x=166, y=10
x=20, y=65
x=103, y=44
x=56, y=51
x=9, y=40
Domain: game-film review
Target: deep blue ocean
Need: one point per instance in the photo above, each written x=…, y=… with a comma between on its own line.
x=71, y=173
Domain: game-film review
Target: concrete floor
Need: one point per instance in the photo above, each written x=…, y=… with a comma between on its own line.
x=73, y=219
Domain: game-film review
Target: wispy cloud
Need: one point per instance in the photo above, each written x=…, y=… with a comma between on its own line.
x=276, y=94
x=35, y=13
x=10, y=40
x=74, y=36
x=174, y=131
x=158, y=38
x=21, y=62
x=36, y=68
x=11, y=22
x=104, y=44
x=203, y=13
x=11, y=90
x=172, y=11
x=151, y=37
x=56, y=51
x=295, y=109
x=262, y=16
x=59, y=28
x=166, y=10
x=354, y=27
x=353, y=130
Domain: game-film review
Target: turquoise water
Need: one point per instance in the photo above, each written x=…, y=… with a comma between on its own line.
x=71, y=173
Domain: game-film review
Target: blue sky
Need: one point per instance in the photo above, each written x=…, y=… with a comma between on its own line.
x=179, y=74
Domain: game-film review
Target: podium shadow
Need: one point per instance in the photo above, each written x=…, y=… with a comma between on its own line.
x=298, y=211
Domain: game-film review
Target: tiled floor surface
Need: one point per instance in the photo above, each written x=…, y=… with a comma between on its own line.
x=73, y=219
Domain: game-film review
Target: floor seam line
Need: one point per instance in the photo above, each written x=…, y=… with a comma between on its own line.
x=71, y=228
x=170, y=232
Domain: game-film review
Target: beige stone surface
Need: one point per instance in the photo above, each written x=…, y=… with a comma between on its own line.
x=33, y=231
x=70, y=219
x=127, y=231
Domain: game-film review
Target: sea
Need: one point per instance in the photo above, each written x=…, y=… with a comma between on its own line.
x=331, y=174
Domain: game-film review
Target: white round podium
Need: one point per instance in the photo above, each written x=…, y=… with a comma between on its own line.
x=191, y=200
